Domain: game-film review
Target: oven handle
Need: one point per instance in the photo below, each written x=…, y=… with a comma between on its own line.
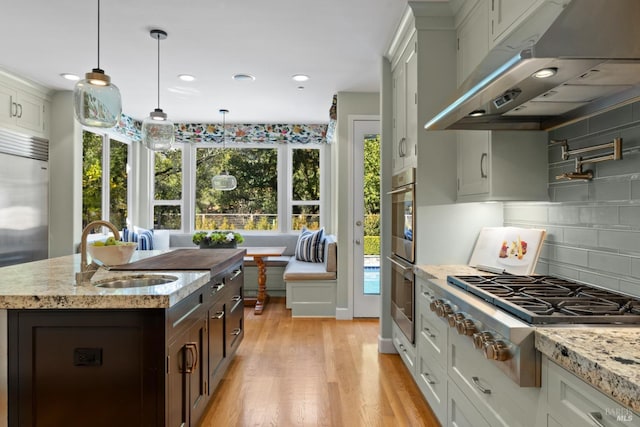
x=404, y=269
x=402, y=190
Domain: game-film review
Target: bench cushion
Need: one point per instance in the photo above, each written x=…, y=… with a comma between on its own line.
x=302, y=270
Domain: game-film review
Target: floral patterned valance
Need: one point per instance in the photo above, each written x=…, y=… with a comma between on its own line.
x=234, y=133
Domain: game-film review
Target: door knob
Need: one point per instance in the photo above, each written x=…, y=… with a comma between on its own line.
x=357, y=242
x=358, y=223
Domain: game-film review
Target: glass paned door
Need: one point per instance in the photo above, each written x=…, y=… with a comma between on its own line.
x=366, y=226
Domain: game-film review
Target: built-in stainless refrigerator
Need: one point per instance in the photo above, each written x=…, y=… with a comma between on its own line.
x=24, y=198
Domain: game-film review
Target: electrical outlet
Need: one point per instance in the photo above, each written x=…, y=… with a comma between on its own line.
x=87, y=357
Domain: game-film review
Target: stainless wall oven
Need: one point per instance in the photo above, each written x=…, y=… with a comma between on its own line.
x=403, y=251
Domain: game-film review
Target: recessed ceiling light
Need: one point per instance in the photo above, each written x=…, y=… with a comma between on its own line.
x=545, y=72
x=243, y=77
x=300, y=87
x=186, y=77
x=70, y=76
x=300, y=77
x=477, y=113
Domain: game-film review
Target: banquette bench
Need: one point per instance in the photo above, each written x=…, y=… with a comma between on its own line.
x=309, y=287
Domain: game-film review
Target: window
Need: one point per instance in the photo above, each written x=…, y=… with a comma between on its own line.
x=278, y=190
x=167, y=195
x=105, y=180
x=305, y=188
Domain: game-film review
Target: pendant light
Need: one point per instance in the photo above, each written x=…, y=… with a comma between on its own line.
x=158, y=132
x=96, y=100
x=224, y=182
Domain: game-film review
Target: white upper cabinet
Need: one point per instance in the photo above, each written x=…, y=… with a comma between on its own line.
x=473, y=39
x=405, y=108
x=507, y=14
x=22, y=110
x=502, y=165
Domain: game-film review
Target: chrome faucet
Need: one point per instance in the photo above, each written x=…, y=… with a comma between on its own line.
x=88, y=270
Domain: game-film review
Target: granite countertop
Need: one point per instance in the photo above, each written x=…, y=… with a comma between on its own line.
x=606, y=357
x=51, y=284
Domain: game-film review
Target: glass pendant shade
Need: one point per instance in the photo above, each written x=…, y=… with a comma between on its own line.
x=96, y=101
x=224, y=182
x=97, y=105
x=158, y=134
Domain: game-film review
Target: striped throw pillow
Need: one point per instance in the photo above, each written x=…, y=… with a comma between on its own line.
x=310, y=246
x=143, y=237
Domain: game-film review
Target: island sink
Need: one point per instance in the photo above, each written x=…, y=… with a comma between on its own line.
x=136, y=281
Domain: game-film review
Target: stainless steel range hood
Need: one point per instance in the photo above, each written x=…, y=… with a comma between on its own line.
x=594, y=47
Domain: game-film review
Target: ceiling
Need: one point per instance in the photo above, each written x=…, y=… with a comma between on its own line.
x=338, y=43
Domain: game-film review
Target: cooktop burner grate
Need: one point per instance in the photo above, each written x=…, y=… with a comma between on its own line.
x=545, y=299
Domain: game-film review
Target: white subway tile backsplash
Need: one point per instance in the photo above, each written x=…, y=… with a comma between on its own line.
x=611, y=263
x=611, y=119
x=629, y=287
x=624, y=241
x=635, y=189
x=581, y=237
x=593, y=227
x=630, y=215
x=599, y=280
x=570, y=193
x=566, y=255
x=562, y=214
x=635, y=267
x=599, y=215
x=563, y=271
x=531, y=213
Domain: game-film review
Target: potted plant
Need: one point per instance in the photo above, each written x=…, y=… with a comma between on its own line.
x=217, y=239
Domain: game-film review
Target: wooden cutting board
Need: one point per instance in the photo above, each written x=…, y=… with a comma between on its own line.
x=186, y=259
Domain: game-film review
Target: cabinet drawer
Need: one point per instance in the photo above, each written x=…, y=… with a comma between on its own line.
x=500, y=400
x=406, y=350
x=432, y=381
x=181, y=315
x=432, y=335
x=234, y=317
x=573, y=402
x=461, y=412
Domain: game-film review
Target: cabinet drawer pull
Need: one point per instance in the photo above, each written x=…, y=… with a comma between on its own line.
x=236, y=274
x=596, y=417
x=427, y=378
x=192, y=348
x=429, y=333
x=476, y=381
x=236, y=298
x=218, y=315
x=483, y=174
x=20, y=113
x=236, y=332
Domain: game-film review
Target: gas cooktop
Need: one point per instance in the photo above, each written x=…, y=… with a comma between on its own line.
x=551, y=300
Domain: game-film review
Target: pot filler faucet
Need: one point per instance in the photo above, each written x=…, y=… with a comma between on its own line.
x=88, y=270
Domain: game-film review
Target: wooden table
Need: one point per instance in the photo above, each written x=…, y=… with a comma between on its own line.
x=258, y=253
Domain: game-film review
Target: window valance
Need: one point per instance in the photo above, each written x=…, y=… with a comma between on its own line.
x=234, y=133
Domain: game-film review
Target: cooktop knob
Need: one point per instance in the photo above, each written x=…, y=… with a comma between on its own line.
x=497, y=350
x=454, y=318
x=479, y=338
x=466, y=327
x=433, y=306
x=444, y=310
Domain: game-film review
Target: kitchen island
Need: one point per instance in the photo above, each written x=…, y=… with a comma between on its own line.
x=589, y=371
x=84, y=355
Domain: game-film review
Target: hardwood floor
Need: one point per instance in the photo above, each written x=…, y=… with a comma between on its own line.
x=314, y=372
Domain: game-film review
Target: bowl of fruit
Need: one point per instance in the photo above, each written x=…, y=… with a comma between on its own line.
x=112, y=251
